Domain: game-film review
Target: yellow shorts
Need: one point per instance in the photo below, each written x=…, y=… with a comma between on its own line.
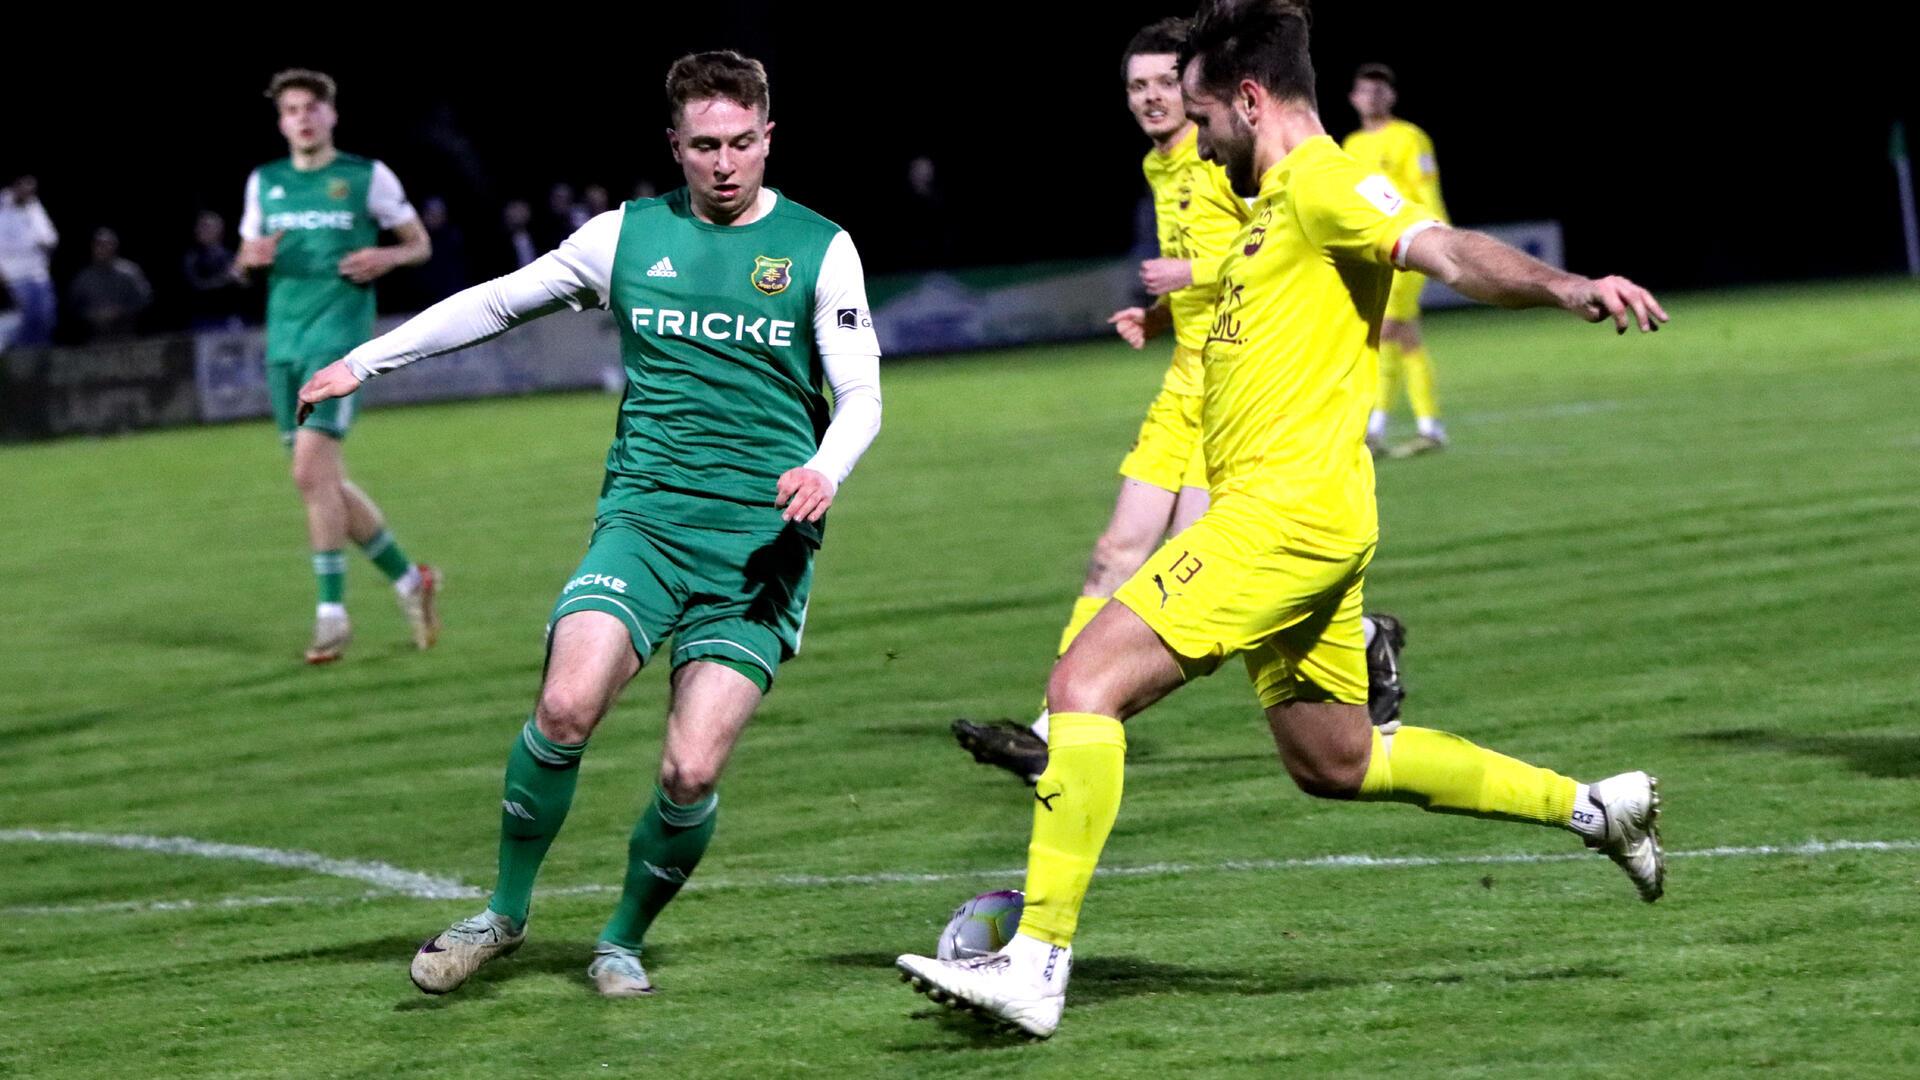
x=1403, y=303
x=1168, y=453
x=1237, y=582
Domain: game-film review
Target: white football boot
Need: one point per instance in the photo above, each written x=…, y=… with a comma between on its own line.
x=1630, y=806
x=418, y=605
x=330, y=636
x=458, y=951
x=1023, y=986
x=616, y=972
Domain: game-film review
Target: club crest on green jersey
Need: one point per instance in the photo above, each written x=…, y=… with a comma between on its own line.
x=338, y=188
x=772, y=276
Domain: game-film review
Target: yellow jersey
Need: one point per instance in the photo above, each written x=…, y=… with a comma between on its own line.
x=1197, y=216
x=1404, y=154
x=1292, y=358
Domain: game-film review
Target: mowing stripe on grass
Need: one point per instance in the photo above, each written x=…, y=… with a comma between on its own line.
x=448, y=889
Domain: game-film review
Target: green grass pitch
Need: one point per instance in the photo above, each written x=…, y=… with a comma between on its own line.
x=1693, y=553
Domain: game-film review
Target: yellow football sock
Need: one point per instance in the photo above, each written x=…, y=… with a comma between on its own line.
x=1075, y=802
x=1447, y=774
x=1084, y=609
x=1419, y=368
x=1389, y=376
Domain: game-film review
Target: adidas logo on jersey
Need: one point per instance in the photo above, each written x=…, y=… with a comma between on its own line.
x=663, y=268
x=276, y=192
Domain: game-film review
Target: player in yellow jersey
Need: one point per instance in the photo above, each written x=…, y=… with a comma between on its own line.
x=1273, y=571
x=1163, y=482
x=1403, y=154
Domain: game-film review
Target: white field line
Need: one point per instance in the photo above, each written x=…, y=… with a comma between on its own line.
x=447, y=889
x=1319, y=862
x=145, y=906
x=378, y=874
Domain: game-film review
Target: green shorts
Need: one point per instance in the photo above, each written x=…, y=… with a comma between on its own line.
x=732, y=598
x=284, y=380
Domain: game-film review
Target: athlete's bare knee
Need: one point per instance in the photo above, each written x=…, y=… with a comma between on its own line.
x=1324, y=779
x=314, y=476
x=565, y=714
x=1115, y=557
x=687, y=779
x=1075, y=686
x=1323, y=748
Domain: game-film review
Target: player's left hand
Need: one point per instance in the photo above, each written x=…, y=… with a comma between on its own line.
x=1621, y=300
x=365, y=265
x=333, y=381
x=805, y=493
x=1162, y=276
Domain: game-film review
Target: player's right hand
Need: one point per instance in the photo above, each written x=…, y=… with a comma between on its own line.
x=804, y=494
x=1162, y=276
x=258, y=252
x=333, y=381
x=1131, y=325
x=1621, y=300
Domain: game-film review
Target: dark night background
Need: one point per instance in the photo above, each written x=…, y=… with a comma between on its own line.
x=1684, y=145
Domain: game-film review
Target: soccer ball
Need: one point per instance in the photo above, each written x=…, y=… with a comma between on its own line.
x=982, y=925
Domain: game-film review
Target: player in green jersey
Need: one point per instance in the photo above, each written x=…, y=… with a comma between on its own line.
x=313, y=221
x=734, y=305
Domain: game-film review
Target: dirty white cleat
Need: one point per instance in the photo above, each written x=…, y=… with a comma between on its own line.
x=1023, y=986
x=419, y=605
x=458, y=951
x=1630, y=805
x=1431, y=442
x=331, y=632
x=616, y=972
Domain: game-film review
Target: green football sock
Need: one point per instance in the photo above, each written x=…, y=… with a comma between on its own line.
x=330, y=573
x=387, y=555
x=667, y=844
x=541, y=776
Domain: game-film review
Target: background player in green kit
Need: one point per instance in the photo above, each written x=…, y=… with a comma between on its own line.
x=734, y=304
x=314, y=218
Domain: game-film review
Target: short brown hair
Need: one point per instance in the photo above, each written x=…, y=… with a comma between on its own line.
x=1166, y=37
x=722, y=74
x=319, y=83
x=1262, y=40
x=1381, y=72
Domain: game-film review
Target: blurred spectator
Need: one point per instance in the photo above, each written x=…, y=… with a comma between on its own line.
x=213, y=292
x=110, y=292
x=445, y=272
x=27, y=238
x=645, y=190
x=931, y=236
x=560, y=219
x=594, y=202
x=518, y=217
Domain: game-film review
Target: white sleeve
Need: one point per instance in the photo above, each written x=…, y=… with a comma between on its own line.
x=44, y=233
x=850, y=355
x=576, y=275
x=841, y=322
x=387, y=200
x=856, y=414
x=250, y=208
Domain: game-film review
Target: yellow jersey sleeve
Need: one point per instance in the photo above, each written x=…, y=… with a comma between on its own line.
x=1354, y=214
x=1404, y=153
x=1219, y=214
x=1197, y=215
